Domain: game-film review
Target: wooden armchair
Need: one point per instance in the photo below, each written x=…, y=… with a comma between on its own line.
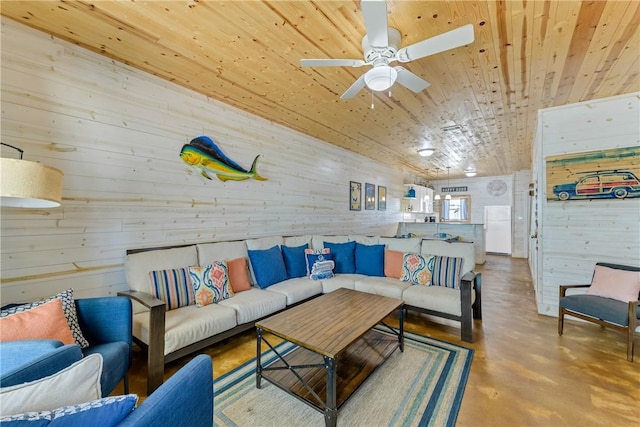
x=604, y=311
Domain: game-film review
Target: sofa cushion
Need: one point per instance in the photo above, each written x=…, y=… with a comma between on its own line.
x=78, y=383
x=267, y=266
x=294, y=260
x=210, y=283
x=173, y=286
x=436, y=298
x=464, y=250
x=297, y=289
x=239, y=274
x=221, y=251
x=347, y=281
x=384, y=286
x=68, y=307
x=255, y=304
x=317, y=241
x=446, y=271
x=365, y=240
x=411, y=244
x=369, y=260
x=297, y=240
x=393, y=261
x=109, y=410
x=45, y=321
x=262, y=243
x=416, y=269
x=344, y=255
x=621, y=285
x=188, y=325
x=138, y=265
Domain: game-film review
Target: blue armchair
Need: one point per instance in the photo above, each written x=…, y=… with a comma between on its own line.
x=185, y=399
x=105, y=322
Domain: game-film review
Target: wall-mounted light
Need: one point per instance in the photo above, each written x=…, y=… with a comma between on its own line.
x=426, y=152
x=29, y=184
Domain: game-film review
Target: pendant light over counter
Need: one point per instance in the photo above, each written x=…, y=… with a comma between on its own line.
x=28, y=184
x=448, y=196
x=437, y=196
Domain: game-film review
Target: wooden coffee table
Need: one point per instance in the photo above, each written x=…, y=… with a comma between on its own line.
x=337, y=347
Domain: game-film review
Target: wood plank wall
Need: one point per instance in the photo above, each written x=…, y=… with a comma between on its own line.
x=574, y=235
x=117, y=134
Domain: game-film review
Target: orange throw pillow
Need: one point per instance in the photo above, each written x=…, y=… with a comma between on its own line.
x=239, y=274
x=393, y=261
x=46, y=321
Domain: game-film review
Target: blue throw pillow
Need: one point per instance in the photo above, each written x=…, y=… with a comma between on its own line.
x=294, y=260
x=370, y=260
x=344, y=255
x=268, y=266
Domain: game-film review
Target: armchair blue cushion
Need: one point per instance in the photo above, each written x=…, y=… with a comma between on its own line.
x=105, y=322
x=29, y=360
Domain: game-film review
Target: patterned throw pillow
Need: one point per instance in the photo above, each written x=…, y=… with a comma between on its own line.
x=172, y=286
x=210, y=283
x=446, y=271
x=319, y=257
x=69, y=308
x=416, y=268
x=109, y=410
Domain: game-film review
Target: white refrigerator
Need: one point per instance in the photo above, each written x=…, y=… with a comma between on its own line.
x=497, y=229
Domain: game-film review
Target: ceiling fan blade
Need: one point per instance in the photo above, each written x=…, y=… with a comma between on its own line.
x=449, y=40
x=332, y=62
x=374, y=13
x=409, y=80
x=356, y=87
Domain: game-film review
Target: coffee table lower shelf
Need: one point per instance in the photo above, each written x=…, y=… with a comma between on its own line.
x=353, y=366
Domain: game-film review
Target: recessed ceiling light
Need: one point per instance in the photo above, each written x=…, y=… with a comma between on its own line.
x=426, y=152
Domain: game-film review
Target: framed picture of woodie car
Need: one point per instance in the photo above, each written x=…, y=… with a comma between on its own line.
x=594, y=175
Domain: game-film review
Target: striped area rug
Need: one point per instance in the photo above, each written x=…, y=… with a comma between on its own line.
x=421, y=387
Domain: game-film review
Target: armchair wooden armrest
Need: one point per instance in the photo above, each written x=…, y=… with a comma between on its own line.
x=155, y=347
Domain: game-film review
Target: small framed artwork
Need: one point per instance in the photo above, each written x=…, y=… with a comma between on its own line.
x=382, y=198
x=369, y=196
x=355, y=196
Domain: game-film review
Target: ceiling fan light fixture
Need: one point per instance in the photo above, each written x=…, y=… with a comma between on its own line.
x=470, y=172
x=426, y=152
x=380, y=78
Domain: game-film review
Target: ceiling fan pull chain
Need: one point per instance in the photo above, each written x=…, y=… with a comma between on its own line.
x=372, y=105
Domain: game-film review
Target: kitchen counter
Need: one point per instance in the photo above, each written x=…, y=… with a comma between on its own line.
x=436, y=230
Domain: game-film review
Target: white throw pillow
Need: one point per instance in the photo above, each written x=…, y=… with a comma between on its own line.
x=75, y=384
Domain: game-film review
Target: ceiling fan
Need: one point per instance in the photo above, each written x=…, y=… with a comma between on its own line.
x=380, y=46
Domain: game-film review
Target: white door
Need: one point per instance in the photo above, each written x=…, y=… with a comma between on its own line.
x=497, y=225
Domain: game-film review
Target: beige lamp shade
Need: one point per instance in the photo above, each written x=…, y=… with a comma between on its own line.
x=28, y=184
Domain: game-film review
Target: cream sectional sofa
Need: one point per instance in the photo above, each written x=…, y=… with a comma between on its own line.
x=170, y=334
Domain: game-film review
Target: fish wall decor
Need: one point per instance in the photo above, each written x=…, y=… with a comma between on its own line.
x=202, y=153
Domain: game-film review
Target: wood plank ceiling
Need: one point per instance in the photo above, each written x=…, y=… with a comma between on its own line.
x=526, y=55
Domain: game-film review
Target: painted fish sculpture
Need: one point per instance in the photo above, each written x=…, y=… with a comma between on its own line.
x=202, y=153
